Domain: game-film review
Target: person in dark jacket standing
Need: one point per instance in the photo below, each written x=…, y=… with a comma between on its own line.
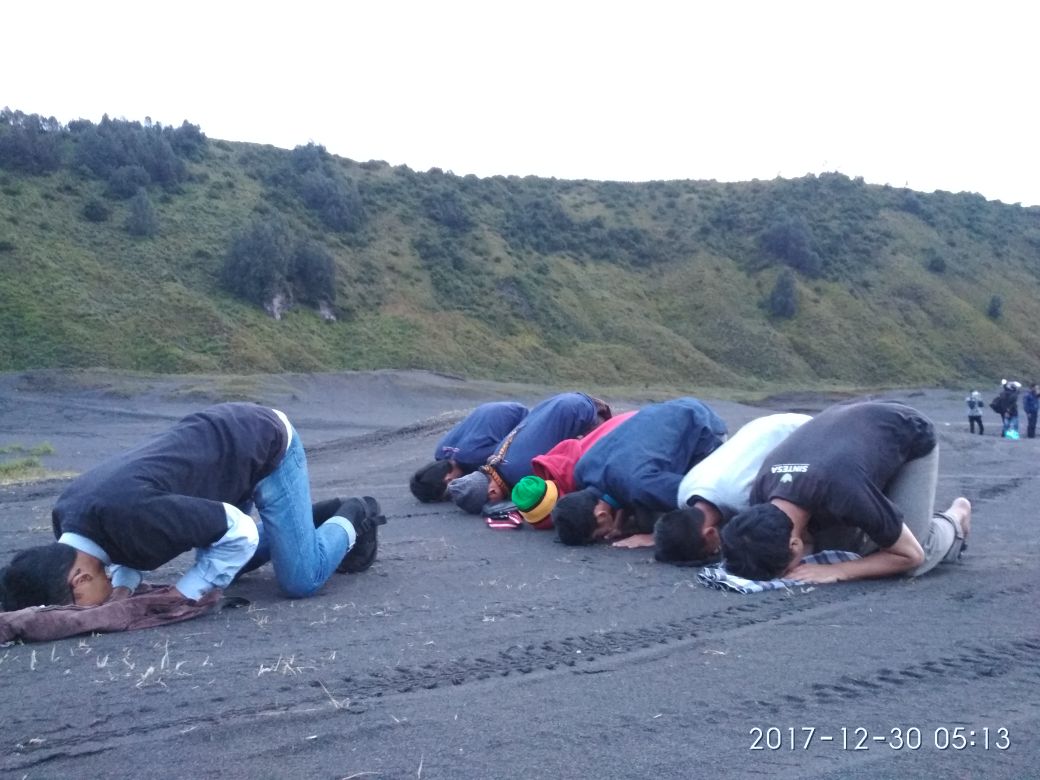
x=1030, y=405
x=193, y=487
x=1009, y=406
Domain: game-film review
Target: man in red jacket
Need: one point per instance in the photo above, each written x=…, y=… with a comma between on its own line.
x=556, y=470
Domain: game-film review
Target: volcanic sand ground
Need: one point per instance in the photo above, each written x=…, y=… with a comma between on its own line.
x=472, y=653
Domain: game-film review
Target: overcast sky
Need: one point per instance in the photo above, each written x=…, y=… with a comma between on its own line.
x=930, y=95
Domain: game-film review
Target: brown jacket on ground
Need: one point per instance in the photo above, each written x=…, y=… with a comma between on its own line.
x=150, y=606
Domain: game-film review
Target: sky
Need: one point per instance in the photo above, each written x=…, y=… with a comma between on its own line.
x=922, y=94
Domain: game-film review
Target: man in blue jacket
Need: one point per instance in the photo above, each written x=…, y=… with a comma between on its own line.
x=632, y=474
x=466, y=447
x=563, y=416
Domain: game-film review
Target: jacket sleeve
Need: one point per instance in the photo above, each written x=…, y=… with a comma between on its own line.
x=216, y=565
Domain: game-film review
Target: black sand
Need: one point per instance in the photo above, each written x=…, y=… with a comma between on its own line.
x=472, y=653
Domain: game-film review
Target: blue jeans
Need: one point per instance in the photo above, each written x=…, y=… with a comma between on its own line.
x=303, y=556
x=1010, y=424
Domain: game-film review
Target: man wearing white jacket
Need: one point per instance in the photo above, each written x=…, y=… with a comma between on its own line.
x=718, y=488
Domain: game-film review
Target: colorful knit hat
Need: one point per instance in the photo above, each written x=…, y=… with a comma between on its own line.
x=535, y=498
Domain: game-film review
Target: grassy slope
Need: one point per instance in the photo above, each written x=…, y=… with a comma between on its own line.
x=76, y=294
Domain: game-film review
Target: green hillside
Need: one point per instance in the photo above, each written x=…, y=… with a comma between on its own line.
x=141, y=247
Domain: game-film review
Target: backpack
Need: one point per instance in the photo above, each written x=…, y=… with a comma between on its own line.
x=999, y=404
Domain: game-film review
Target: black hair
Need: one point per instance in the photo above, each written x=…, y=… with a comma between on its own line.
x=38, y=576
x=756, y=544
x=678, y=538
x=427, y=484
x=574, y=517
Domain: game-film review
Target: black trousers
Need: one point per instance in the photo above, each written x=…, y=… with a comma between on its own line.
x=972, y=421
x=1031, y=426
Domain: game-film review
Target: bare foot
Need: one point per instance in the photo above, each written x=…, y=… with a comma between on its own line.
x=961, y=510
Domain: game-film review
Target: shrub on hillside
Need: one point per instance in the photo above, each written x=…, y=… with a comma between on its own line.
x=30, y=143
x=126, y=180
x=311, y=157
x=337, y=203
x=783, y=300
x=310, y=173
x=95, y=210
x=142, y=221
x=257, y=263
x=313, y=273
x=445, y=208
x=791, y=241
x=911, y=203
x=540, y=224
x=996, y=308
x=635, y=244
x=116, y=143
x=460, y=285
x=188, y=140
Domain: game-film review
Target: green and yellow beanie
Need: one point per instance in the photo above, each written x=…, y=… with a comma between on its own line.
x=535, y=498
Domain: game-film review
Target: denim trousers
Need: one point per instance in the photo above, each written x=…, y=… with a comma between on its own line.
x=303, y=556
x=1010, y=424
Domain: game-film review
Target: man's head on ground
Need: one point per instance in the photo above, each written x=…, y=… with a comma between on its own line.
x=687, y=536
x=53, y=574
x=759, y=543
x=430, y=483
x=584, y=517
x=470, y=493
x=535, y=498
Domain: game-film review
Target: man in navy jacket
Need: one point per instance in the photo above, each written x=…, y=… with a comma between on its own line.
x=632, y=474
x=466, y=447
x=563, y=416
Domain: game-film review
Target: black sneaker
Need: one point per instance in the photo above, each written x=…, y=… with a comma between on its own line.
x=366, y=517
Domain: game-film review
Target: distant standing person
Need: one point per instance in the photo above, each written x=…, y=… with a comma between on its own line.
x=975, y=405
x=1009, y=408
x=1030, y=403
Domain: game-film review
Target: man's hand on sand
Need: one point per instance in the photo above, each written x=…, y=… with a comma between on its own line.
x=634, y=541
x=816, y=573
